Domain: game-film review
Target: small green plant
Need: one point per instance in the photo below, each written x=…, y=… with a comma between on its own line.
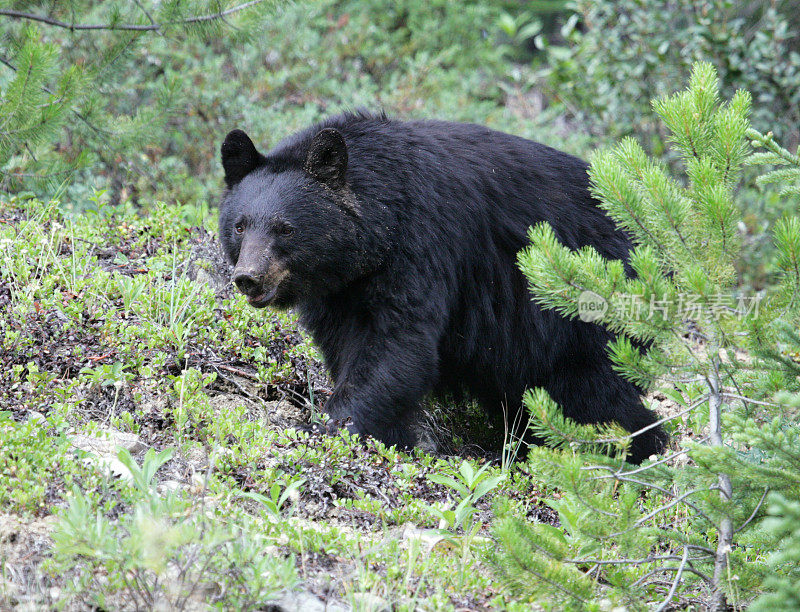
x=106, y=375
x=131, y=288
x=165, y=551
x=36, y=455
x=470, y=485
x=278, y=496
x=143, y=476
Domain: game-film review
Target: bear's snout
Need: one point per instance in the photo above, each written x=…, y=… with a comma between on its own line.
x=261, y=287
x=248, y=282
x=259, y=293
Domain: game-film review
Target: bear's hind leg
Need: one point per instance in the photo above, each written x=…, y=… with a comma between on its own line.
x=597, y=394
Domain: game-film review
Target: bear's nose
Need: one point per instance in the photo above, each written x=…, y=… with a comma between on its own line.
x=247, y=282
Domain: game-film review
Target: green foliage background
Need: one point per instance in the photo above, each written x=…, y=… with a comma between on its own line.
x=160, y=103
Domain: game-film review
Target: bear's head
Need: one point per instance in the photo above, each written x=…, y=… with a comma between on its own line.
x=289, y=224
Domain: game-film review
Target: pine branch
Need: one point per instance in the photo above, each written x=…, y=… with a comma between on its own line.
x=768, y=142
x=754, y=512
x=652, y=425
x=8, y=64
x=678, y=575
x=670, y=569
x=145, y=11
x=130, y=27
x=641, y=468
x=648, y=485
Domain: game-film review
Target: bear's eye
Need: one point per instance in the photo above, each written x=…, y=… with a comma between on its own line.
x=284, y=229
x=239, y=228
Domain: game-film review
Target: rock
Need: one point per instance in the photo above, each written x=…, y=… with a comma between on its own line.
x=37, y=417
x=103, y=449
x=208, y=266
x=109, y=464
x=305, y=601
x=198, y=483
x=428, y=538
x=108, y=442
x=203, y=278
x=169, y=486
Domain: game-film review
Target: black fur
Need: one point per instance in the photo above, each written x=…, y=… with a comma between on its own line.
x=401, y=260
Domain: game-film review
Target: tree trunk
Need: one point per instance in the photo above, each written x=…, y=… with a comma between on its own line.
x=725, y=528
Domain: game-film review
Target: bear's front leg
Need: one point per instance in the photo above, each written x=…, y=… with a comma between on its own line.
x=380, y=384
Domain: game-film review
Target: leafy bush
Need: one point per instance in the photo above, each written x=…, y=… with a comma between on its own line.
x=163, y=105
x=165, y=552
x=624, y=54
x=136, y=110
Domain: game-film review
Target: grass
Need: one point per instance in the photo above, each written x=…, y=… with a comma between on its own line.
x=118, y=322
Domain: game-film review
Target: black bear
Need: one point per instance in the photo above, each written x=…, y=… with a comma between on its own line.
x=397, y=242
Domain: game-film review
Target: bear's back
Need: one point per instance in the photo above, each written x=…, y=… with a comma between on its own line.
x=461, y=180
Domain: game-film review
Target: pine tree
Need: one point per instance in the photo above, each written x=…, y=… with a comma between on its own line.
x=778, y=441
x=680, y=526
x=59, y=90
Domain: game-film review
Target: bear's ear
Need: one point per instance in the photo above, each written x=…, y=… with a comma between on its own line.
x=239, y=157
x=326, y=160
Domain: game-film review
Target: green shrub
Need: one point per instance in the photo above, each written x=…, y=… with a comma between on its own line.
x=167, y=551
x=37, y=461
x=623, y=54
